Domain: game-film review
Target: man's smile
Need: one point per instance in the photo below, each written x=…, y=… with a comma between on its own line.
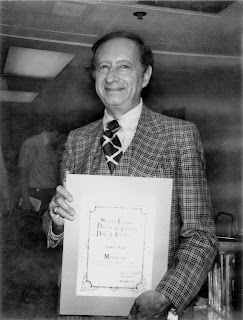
x=114, y=89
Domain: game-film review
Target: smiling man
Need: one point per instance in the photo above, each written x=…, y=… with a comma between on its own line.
x=119, y=76
x=132, y=140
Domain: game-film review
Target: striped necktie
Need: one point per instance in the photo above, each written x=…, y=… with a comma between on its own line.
x=111, y=145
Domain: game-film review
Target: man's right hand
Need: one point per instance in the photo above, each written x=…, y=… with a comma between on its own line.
x=59, y=207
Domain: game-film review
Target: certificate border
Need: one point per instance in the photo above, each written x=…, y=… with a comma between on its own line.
x=86, y=283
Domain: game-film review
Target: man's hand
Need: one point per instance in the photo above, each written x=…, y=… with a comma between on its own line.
x=150, y=305
x=59, y=207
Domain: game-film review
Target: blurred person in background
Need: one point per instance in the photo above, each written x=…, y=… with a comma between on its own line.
x=39, y=166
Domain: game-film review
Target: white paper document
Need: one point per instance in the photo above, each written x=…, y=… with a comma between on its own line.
x=117, y=246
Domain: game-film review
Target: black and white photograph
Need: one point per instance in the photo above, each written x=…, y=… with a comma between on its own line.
x=144, y=93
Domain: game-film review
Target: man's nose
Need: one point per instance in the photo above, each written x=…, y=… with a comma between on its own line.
x=112, y=75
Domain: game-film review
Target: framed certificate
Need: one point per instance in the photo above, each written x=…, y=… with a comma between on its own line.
x=117, y=246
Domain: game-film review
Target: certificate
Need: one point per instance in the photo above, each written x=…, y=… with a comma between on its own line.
x=115, y=250
x=117, y=246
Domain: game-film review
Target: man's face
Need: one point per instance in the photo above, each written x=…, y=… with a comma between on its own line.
x=119, y=76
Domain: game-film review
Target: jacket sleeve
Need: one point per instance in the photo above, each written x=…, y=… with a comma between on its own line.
x=52, y=239
x=70, y=157
x=198, y=242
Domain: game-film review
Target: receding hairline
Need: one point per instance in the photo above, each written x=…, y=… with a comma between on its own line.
x=144, y=52
x=117, y=38
x=116, y=35
x=121, y=37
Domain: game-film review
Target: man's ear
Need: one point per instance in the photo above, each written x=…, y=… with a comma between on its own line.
x=146, y=76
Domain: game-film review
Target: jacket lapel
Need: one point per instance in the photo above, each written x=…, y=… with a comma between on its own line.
x=148, y=145
x=91, y=152
x=149, y=142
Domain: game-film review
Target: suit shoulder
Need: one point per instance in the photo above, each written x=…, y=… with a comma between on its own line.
x=85, y=130
x=173, y=123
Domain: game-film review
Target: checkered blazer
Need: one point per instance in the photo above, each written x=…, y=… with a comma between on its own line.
x=169, y=148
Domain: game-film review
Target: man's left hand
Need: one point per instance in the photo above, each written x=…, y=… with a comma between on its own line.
x=150, y=305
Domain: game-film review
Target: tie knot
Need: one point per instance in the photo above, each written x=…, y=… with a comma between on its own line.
x=113, y=126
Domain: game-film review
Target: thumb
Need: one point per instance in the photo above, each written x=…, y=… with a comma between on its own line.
x=133, y=310
x=64, y=178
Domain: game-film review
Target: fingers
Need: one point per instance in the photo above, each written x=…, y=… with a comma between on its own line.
x=61, y=191
x=63, y=208
x=59, y=206
x=150, y=305
x=64, y=178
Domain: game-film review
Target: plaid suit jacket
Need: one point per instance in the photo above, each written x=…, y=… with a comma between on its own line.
x=170, y=148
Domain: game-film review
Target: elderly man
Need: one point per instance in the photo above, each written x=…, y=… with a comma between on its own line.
x=146, y=144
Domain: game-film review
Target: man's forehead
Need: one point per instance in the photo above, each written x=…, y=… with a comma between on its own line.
x=118, y=47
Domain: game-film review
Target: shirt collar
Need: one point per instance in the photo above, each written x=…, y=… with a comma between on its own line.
x=127, y=121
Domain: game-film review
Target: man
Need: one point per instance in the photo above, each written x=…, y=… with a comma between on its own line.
x=152, y=145
x=39, y=167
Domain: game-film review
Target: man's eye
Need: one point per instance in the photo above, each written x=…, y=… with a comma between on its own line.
x=124, y=66
x=102, y=67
